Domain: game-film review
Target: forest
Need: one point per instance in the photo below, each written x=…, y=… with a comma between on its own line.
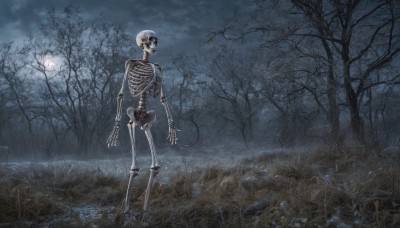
x=310, y=75
x=278, y=75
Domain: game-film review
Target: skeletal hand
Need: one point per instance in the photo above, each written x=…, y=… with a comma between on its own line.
x=172, y=133
x=112, y=139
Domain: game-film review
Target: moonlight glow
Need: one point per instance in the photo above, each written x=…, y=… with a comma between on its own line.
x=51, y=63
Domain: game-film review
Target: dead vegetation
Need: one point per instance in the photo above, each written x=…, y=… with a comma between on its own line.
x=323, y=187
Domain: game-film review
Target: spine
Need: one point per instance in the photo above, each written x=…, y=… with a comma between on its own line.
x=142, y=101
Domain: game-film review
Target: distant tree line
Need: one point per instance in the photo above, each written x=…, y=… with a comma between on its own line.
x=292, y=73
x=332, y=63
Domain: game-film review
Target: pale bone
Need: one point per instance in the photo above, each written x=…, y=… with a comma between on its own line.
x=143, y=78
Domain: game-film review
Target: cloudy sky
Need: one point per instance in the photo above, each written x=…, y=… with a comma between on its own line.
x=181, y=24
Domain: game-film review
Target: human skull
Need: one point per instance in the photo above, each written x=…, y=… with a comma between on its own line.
x=147, y=40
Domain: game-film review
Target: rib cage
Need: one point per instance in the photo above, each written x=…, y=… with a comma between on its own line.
x=143, y=78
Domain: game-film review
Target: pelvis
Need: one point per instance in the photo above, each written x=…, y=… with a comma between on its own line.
x=140, y=117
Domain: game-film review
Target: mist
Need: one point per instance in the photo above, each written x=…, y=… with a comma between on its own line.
x=277, y=104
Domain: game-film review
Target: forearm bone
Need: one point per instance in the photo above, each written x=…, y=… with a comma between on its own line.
x=171, y=128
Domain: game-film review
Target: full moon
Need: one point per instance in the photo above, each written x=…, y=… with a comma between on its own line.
x=50, y=63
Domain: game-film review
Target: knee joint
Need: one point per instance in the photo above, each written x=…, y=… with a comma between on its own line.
x=134, y=171
x=155, y=169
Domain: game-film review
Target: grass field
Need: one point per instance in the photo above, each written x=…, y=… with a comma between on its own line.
x=322, y=186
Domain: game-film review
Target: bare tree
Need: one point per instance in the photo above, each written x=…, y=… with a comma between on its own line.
x=351, y=40
x=190, y=96
x=366, y=37
x=234, y=84
x=4, y=95
x=12, y=73
x=21, y=106
x=79, y=64
x=290, y=60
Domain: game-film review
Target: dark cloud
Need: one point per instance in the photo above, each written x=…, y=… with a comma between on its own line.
x=183, y=21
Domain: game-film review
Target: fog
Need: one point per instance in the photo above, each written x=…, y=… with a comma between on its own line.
x=263, y=78
x=252, y=87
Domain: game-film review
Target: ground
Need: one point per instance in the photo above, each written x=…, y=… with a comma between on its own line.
x=215, y=187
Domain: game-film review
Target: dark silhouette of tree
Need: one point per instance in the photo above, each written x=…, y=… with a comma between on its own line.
x=80, y=86
x=189, y=96
x=366, y=38
x=20, y=107
x=347, y=42
x=234, y=84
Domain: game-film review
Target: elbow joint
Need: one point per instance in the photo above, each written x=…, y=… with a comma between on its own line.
x=163, y=99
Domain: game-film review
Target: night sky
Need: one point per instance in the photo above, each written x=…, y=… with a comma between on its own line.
x=181, y=25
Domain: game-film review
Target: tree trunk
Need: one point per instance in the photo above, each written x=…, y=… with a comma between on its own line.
x=333, y=114
x=83, y=146
x=351, y=96
x=352, y=103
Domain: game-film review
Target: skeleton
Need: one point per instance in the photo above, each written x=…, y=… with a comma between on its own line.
x=144, y=78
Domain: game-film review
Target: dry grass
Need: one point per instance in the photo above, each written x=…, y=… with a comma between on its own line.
x=321, y=187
